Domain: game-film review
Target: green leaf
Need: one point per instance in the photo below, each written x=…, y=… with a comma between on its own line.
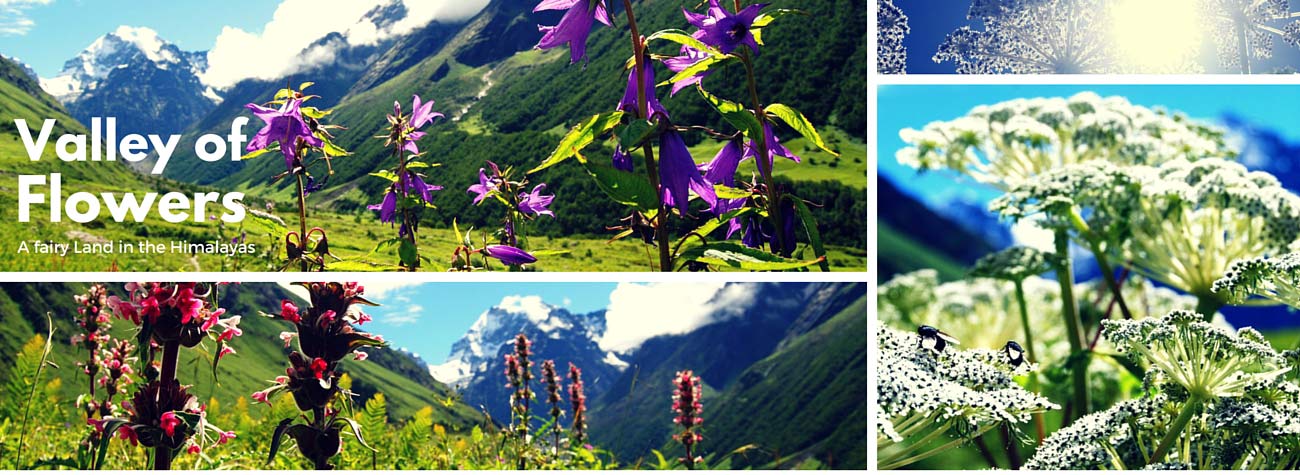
x=767, y=17
x=582, y=135
x=418, y=164
x=682, y=38
x=281, y=94
x=799, y=123
x=304, y=86
x=216, y=356
x=729, y=193
x=408, y=253
x=330, y=149
x=626, y=188
x=385, y=174
x=634, y=134
x=550, y=252
x=275, y=147
x=810, y=227
x=277, y=437
x=476, y=435
x=735, y=114
x=699, y=67
x=736, y=255
x=356, y=431
x=315, y=113
x=713, y=224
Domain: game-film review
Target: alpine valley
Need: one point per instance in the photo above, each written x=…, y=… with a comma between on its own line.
x=784, y=368
x=504, y=101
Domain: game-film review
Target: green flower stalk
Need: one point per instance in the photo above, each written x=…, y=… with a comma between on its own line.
x=1206, y=361
x=1007, y=143
x=1213, y=399
x=949, y=398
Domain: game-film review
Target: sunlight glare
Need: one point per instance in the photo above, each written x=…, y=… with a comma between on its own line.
x=1156, y=36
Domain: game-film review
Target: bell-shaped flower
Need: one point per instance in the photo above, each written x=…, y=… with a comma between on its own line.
x=574, y=27
x=284, y=125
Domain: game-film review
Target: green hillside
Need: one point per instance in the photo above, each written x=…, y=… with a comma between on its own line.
x=814, y=387
x=486, y=97
x=754, y=397
x=260, y=356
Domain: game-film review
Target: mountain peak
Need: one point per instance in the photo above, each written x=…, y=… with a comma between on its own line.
x=127, y=47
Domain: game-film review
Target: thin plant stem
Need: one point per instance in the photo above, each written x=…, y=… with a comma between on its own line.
x=302, y=221
x=1029, y=349
x=1074, y=326
x=162, y=458
x=765, y=161
x=652, y=171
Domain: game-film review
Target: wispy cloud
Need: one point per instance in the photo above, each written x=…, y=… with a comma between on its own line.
x=406, y=316
x=13, y=16
x=288, y=43
x=638, y=312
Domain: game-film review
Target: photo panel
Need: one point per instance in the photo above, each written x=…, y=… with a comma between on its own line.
x=1087, y=276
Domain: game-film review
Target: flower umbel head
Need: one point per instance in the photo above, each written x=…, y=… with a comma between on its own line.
x=1207, y=360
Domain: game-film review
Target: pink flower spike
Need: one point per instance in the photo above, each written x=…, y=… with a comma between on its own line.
x=260, y=396
x=225, y=437
x=194, y=449
x=225, y=351
x=289, y=311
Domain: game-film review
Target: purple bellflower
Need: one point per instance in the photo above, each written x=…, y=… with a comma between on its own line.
x=689, y=56
x=284, y=125
x=535, y=203
x=629, y=102
x=774, y=147
x=574, y=27
x=414, y=184
x=509, y=255
x=622, y=160
x=725, y=30
x=421, y=115
x=678, y=174
x=722, y=171
x=485, y=185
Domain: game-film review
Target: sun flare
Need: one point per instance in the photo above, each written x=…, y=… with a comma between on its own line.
x=1156, y=36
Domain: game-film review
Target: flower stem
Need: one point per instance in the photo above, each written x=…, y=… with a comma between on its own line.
x=302, y=221
x=765, y=161
x=1029, y=349
x=1207, y=306
x=1069, y=310
x=652, y=171
x=1190, y=409
x=1108, y=273
x=162, y=456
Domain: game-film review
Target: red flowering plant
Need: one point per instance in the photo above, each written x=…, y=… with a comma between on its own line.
x=578, y=403
x=108, y=370
x=687, y=408
x=295, y=131
x=327, y=334
x=162, y=414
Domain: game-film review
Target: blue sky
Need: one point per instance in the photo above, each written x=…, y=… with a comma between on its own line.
x=62, y=28
x=901, y=106
x=446, y=310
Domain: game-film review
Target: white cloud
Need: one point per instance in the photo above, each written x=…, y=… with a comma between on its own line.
x=13, y=16
x=296, y=24
x=406, y=316
x=638, y=312
x=1028, y=233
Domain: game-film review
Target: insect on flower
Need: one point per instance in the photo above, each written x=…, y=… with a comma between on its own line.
x=933, y=339
x=1015, y=354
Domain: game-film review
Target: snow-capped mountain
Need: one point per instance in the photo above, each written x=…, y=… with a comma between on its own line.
x=148, y=84
x=475, y=365
x=124, y=48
